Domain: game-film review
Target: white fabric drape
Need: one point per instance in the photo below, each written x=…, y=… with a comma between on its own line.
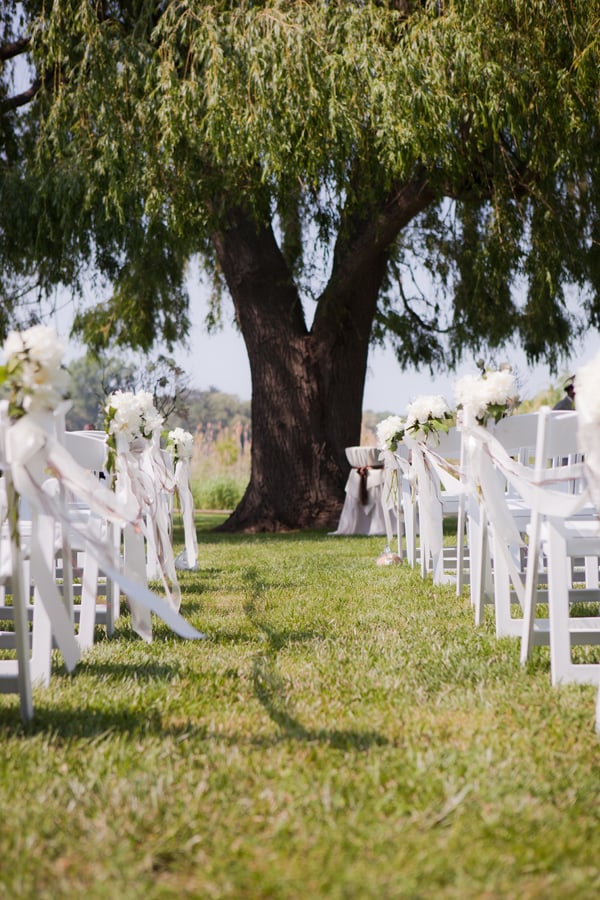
x=188, y=559
x=363, y=511
x=32, y=452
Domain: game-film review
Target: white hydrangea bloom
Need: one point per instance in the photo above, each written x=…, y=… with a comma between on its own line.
x=40, y=343
x=182, y=443
x=477, y=393
x=34, y=362
x=127, y=418
x=151, y=419
x=134, y=414
x=426, y=407
x=389, y=432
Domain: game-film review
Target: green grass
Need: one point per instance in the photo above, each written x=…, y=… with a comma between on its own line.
x=344, y=732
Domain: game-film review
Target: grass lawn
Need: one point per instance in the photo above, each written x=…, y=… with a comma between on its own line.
x=344, y=732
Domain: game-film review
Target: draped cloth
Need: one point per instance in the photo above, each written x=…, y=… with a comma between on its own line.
x=188, y=559
x=436, y=481
x=142, y=474
x=542, y=492
x=31, y=452
x=363, y=511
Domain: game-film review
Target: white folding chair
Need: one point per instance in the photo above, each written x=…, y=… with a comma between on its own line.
x=33, y=540
x=437, y=490
x=15, y=674
x=497, y=519
x=557, y=447
x=99, y=597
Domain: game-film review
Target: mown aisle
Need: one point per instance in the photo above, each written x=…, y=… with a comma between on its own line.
x=345, y=732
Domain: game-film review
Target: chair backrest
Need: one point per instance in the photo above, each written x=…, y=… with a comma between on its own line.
x=86, y=449
x=558, y=437
x=450, y=444
x=558, y=443
x=518, y=435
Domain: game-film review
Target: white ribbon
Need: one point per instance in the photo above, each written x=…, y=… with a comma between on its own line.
x=136, y=477
x=536, y=491
x=30, y=452
x=189, y=558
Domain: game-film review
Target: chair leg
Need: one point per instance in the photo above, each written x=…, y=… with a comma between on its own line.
x=479, y=550
x=20, y=590
x=410, y=527
x=89, y=594
x=558, y=603
x=460, y=546
x=531, y=578
x=42, y=543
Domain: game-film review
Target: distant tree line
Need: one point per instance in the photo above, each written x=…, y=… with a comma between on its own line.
x=209, y=412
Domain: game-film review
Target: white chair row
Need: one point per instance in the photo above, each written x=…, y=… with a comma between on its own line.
x=532, y=534
x=64, y=530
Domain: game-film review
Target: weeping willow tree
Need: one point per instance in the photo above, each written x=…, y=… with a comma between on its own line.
x=421, y=173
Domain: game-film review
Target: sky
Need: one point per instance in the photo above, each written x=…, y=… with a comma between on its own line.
x=221, y=361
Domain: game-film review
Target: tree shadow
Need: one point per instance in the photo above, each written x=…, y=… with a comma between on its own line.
x=272, y=691
x=98, y=718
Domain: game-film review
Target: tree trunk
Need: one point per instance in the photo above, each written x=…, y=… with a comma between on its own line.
x=307, y=384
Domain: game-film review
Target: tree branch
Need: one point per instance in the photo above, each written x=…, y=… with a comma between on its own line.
x=364, y=244
x=14, y=48
x=21, y=99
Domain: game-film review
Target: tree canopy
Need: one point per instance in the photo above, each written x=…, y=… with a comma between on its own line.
x=425, y=172
x=157, y=118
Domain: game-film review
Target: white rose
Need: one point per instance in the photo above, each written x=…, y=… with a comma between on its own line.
x=44, y=346
x=387, y=430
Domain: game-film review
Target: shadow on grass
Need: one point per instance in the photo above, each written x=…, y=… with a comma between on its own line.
x=96, y=716
x=273, y=691
x=206, y=538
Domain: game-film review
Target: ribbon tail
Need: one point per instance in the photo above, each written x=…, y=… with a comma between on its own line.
x=187, y=512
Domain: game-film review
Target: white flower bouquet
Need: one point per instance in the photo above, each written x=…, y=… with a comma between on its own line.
x=34, y=371
x=390, y=432
x=487, y=396
x=151, y=419
x=427, y=415
x=181, y=444
x=132, y=415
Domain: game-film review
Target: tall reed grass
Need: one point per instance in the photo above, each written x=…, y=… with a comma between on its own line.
x=220, y=470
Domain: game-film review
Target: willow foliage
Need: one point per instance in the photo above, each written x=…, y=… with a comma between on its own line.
x=160, y=118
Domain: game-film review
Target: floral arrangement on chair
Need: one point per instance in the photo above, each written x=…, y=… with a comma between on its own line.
x=491, y=395
x=390, y=432
x=180, y=444
x=427, y=415
x=131, y=415
x=34, y=371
